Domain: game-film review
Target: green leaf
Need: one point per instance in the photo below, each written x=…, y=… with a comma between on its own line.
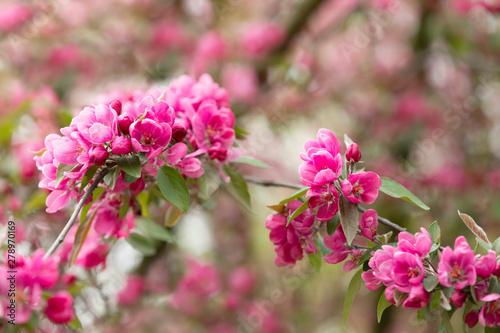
x=141, y=244
x=252, y=161
x=154, y=231
x=483, y=244
x=240, y=133
x=446, y=321
x=81, y=234
x=125, y=206
x=129, y=179
x=111, y=177
x=430, y=283
x=36, y=201
x=294, y=196
x=352, y=290
x=238, y=187
x=422, y=314
x=496, y=246
x=130, y=165
x=61, y=170
x=332, y=225
x=383, y=304
x=435, y=300
x=173, y=187
x=87, y=177
x=97, y=193
x=435, y=232
x=302, y=208
x=396, y=190
x=315, y=260
x=143, y=199
x=202, y=187
x=349, y=218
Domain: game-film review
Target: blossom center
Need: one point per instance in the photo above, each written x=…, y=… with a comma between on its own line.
x=147, y=138
x=80, y=150
x=211, y=131
x=456, y=271
x=413, y=272
x=358, y=189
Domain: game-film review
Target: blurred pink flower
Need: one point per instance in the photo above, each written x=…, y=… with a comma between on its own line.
x=261, y=38
x=241, y=82
x=13, y=14
x=59, y=308
x=132, y=290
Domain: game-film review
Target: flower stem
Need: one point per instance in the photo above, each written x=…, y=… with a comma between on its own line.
x=79, y=206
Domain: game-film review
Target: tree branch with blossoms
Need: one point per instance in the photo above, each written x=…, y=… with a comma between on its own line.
x=334, y=188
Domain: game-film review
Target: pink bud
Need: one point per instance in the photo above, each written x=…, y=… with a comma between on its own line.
x=116, y=105
x=178, y=132
x=60, y=308
x=353, y=153
x=124, y=122
x=98, y=155
x=457, y=299
x=471, y=318
x=121, y=145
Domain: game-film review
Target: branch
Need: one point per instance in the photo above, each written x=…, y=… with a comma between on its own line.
x=73, y=217
x=272, y=183
x=385, y=221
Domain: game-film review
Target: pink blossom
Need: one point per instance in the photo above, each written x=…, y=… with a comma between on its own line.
x=150, y=137
x=457, y=267
x=419, y=244
x=188, y=165
x=489, y=315
x=92, y=254
x=361, y=187
x=44, y=272
x=368, y=223
x=13, y=14
x=200, y=282
x=108, y=223
x=408, y=271
x=132, y=290
x=242, y=281
x=336, y=242
x=485, y=265
x=326, y=198
x=457, y=299
x=72, y=151
x=382, y=268
x=320, y=168
x=292, y=240
x=213, y=129
x=121, y=145
x=352, y=263
x=96, y=124
x=98, y=155
x=261, y=38
x=353, y=154
x=418, y=297
x=59, y=308
x=241, y=82
x=472, y=318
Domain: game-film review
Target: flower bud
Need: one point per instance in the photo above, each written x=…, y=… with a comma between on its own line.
x=178, y=132
x=471, y=318
x=98, y=155
x=121, y=145
x=116, y=105
x=124, y=122
x=60, y=308
x=353, y=153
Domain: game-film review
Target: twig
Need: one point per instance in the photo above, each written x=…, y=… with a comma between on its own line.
x=267, y=183
x=79, y=206
x=386, y=222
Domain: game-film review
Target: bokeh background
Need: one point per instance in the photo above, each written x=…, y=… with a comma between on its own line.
x=414, y=83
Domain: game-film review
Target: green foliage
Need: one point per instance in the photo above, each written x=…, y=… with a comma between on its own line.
x=396, y=190
x=173, y=187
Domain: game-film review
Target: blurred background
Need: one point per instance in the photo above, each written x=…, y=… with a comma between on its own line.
x=414, y=83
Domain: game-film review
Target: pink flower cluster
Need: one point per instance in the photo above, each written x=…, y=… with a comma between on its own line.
x=188, y=122
x=290, y=241
x=322, y=170
x=34, y=276
x=401, y=269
